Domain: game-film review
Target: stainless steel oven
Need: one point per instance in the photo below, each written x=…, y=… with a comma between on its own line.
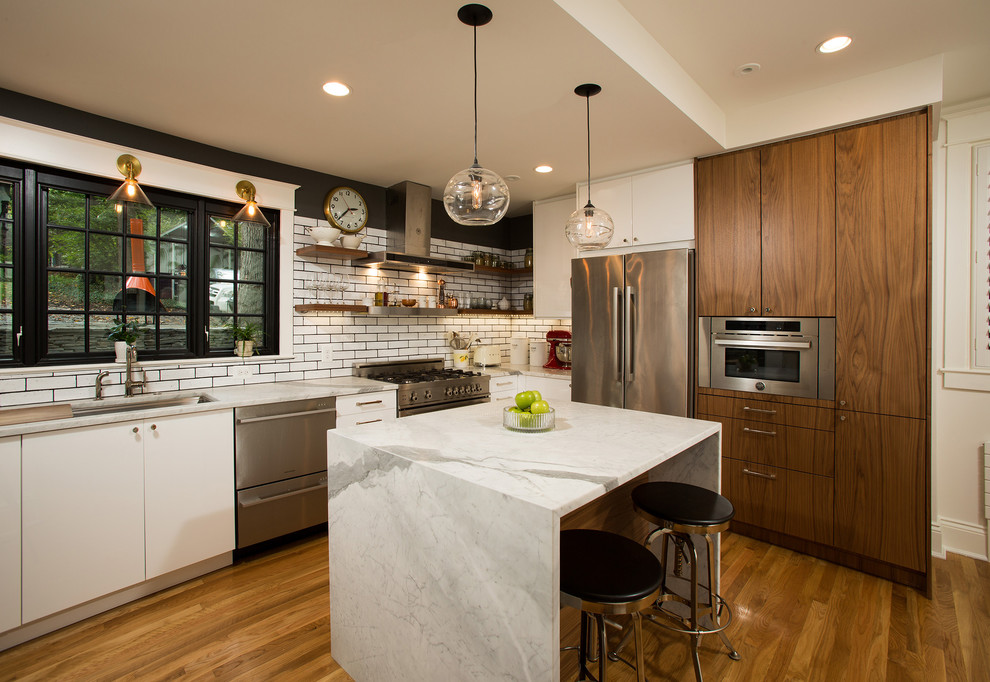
x=783, y=356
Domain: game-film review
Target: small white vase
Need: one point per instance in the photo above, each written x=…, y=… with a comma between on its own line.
x=120, y=348
x=244, y=349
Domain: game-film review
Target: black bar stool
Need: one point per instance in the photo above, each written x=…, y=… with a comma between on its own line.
x=609, y=575
x=680, y=509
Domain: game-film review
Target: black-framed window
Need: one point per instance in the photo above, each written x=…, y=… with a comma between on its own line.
x=88, y=263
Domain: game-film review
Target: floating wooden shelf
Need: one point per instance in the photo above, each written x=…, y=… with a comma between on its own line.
x=503, y=271
x=337, y=252
x=330, y=308
x=489, y=311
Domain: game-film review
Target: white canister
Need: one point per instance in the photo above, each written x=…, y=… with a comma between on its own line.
x=518, y=350
x=460, y=358
x=538, y=353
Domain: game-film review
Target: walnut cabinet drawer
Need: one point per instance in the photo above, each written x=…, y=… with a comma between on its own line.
x=787, y=447
x=804, y=416
x=791, y=502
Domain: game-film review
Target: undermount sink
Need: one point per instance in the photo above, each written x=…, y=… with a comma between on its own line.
x=141, y=402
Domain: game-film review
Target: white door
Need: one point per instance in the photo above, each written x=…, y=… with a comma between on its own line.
x=189, y=489
x=83, y=515
x=10, y=533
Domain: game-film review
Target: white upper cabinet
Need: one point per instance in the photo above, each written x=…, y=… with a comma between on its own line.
x=663, y=205
x=552, y=255
x=647, y=208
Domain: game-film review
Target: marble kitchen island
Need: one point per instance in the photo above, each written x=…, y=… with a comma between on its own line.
x=443, y=532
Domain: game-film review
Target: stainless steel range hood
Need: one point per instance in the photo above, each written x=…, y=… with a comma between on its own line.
x=407, y=247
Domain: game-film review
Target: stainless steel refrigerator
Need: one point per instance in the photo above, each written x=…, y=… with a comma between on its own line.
x=633, y=332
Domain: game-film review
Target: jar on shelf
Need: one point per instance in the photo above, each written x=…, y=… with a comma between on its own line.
x=528, y=259
x=528, y=302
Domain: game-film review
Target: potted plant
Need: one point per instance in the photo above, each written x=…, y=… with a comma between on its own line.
x=123, y=334
x=245, y=336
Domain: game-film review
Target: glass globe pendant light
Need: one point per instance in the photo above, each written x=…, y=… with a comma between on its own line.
x=589, y=228
x=476, y=196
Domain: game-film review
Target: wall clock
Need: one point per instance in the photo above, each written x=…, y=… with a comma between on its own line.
x=346, y=209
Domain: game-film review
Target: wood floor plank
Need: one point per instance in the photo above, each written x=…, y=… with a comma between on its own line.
x=796, y=619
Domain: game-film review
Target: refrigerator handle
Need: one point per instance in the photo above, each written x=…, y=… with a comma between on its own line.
x=616, y=300
x=628, y=351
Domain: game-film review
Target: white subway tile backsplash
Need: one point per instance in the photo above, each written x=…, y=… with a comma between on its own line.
x=352, y=337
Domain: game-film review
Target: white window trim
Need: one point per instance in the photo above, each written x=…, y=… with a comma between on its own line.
x=35, y=144
x=981, y=257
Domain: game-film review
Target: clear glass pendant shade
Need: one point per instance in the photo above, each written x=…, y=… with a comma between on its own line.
x=589, y=228
x=476, y=196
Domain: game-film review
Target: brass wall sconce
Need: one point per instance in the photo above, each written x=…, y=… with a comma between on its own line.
x=130, y=190
x=250, y=213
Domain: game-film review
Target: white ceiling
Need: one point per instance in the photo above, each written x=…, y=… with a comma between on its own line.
x=246, y=75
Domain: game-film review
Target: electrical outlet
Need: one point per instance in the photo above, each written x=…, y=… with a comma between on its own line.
x=240, y=371
x=327, y=352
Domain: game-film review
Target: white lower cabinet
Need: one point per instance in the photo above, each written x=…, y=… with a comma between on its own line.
x=107, y=507
x=83, y=515
x=10, y=533
x=366, y=408
x=549, y=387
x=188, y=490
x=503, y=389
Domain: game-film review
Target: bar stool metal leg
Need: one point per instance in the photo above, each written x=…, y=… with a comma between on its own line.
x=716, y=614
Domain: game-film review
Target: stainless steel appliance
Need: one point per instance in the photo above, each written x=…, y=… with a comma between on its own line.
x=633, y=331
x=426, y=386
x=280, y=467
x=784, y=356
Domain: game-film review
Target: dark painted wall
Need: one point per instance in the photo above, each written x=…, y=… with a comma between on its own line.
x=515, y=233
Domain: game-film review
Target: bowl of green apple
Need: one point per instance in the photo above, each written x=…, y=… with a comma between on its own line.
x=530, y=414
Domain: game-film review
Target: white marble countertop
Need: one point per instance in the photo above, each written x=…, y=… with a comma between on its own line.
x=525, y=370
x=223, y=398
x=592, y=450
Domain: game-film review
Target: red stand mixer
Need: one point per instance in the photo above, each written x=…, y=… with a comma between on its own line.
x=559, y=342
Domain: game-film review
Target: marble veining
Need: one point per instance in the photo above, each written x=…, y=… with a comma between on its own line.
x=444, y=532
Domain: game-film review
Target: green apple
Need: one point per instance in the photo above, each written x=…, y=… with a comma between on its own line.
x=515, y=409
x=525, y=398
x=539, y=407
x=526, y=420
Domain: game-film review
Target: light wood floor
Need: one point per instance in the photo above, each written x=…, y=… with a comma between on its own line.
x=797, y=618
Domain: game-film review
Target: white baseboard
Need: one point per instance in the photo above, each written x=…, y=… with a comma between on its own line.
x=75, y=614
x=966, y=539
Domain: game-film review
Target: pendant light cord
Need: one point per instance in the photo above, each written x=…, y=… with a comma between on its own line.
x=475, y=95
x=587, y=100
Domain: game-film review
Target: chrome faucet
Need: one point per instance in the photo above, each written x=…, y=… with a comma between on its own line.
x=129, y=383
x=99, y=384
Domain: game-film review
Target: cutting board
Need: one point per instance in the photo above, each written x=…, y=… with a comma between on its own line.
x=37, y=413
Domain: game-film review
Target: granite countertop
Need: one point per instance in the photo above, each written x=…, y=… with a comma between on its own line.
x=223, y=398
x=591, y=448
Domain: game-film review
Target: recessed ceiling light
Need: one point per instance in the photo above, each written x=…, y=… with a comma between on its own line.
x=544, y=169
x=511, y=178
x=747, y=69
x=834, y=44
x=336, y=89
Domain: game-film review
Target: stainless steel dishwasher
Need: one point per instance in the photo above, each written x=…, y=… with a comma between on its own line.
x=280, y=466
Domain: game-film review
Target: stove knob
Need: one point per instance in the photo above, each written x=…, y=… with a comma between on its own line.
x=463, y=390
x=448, y=392
x=427, y=394
x=413, y=397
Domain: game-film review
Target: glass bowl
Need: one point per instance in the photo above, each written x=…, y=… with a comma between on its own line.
x=526, y=422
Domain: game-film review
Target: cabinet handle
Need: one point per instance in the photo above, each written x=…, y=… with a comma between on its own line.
x=368, y=402
x=508, y=397
x=370, y=421
x=503, y=383
x=771, y=477
x=753, y=409
x=136, y=429
x=154, y=427
x=842, y=418
x=752, y=310
x=767, y=310
x=746, y=429
x=842, y=403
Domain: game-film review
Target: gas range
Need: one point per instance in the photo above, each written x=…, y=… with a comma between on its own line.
x=426, y=385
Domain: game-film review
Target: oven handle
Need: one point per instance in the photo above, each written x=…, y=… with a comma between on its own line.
x=272, y=498
x=763, y=344
x=284, y=415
